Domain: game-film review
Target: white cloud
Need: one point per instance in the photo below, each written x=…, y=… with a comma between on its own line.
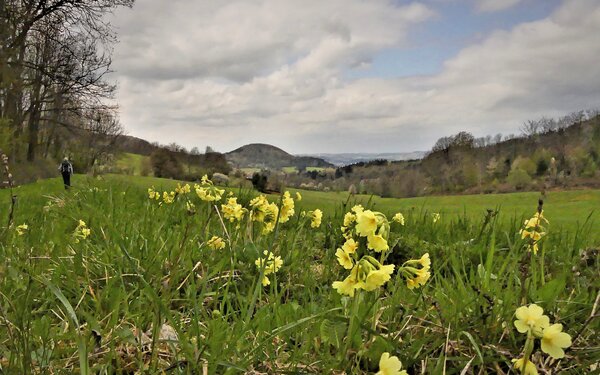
x=290, y=90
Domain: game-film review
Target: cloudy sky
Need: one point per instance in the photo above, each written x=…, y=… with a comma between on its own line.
x=314, y=76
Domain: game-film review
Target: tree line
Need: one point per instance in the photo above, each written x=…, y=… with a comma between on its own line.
x=54, y=93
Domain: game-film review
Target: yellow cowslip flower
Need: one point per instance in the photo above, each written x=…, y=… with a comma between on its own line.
x=530, y=368
x=185, y=189
x=168, y=198
x=349, y=284
x=350, y=246
x=153, y=194
x=377, y=243
x=258, y=208
x=21, y=229
x=435, y=217
x=390, y=365
x=531, y=318
x=316, y=217
x=298, y=197
x=233, y=211
x=344, y=259
x=209, y=194
x=425, y=261
x=416, y=277
x=82, y=231
x=357, y=209
x=271, y=264
x=366, y=223
x=420, y=278
x=377, y=278
x=190, y=207
x=216, y=243
x=349, y=218
x=554, y=340
x=398, y=218
x=287, y=207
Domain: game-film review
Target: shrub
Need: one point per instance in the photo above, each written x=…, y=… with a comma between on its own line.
x=165, y=164
x=518, y=178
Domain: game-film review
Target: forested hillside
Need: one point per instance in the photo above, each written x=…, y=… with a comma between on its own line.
x=561, y=153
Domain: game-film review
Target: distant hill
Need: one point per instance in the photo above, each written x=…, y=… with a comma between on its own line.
x=259, y=155
x=352, y=158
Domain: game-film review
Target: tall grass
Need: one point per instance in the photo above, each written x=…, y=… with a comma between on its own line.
x=144, y=293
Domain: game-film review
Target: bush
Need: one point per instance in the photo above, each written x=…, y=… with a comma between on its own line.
x=165, y=164
x=259, y=181
x=518, y=178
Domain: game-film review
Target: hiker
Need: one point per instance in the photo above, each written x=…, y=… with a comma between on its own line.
x=66, y=169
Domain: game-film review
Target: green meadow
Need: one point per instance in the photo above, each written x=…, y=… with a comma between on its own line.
x=146, y=290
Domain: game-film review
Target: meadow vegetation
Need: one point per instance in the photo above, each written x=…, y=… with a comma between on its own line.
x=131, y=275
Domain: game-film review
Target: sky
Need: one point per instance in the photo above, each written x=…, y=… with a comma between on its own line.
x=333, y=76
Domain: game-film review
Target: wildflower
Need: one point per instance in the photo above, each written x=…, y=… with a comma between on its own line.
x=349, y=218
x=82, y=231
x=416, y=277
x=258, y=207
x=390, y=365
x=534, y=231
x=350, y=246
x=216, y=243
x=190, y=207
x=232, y=211
x=357, y=209
x=207, y=191
x=185, y=189
x=425, y=261
x=298, y=197
x=530, y=368
x=270, y=263
x=554, y=340
x=287, y=207
x=366, y=223
x=531, y=318
x=168, y=198
x=377, y=243
x=316, y=217
x=377, y=278
x=21, y=229
x=349, y=285
x=344, y=259
x=398, y=218
x=153, y=194
x=435, y=217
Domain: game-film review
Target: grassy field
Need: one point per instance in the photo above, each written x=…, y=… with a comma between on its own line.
x=149, y=290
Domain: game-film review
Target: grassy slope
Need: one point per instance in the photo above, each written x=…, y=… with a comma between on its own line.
x=567, y=210
x=134, y=273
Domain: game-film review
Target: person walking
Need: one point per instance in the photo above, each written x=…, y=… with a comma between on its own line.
x=66, y=169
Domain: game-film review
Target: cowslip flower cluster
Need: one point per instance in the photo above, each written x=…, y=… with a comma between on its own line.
x=21, y=229
x=168, y=198
x=435, y=217
x=287, y=207
x=185, y=189
x=232, y=210
x=416, y=271
x=81, y=232
x=270, y=263
x=315, y=218
x=390, y=365
x=532, y=321
x=153, y=194
x=398, y=218
x=262, y=211
x=216, y=243
x=533, y=230
x=366, y=272
x=207, y=191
